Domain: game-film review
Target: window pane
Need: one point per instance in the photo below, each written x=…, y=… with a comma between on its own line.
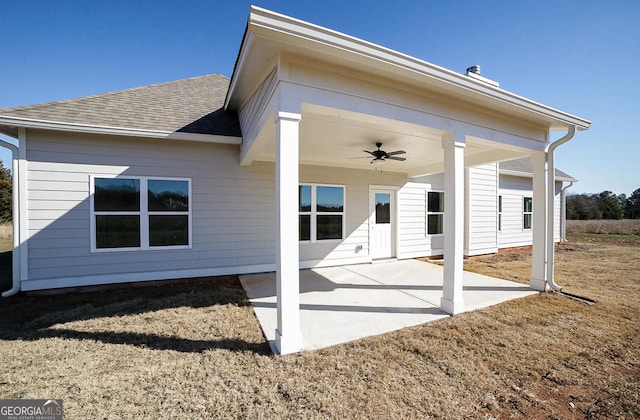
x=167, y=195
x=436, y=202
x=305, y=197
x=435, y=224
x=528, y=204
x=329, y=227
x=383, y=208
x=527, y=221
x=330, y=199
x=305, y=227
x=500, y=222
x=168, y=230
x=117, y=231
x=116, y=194
x=500, y=203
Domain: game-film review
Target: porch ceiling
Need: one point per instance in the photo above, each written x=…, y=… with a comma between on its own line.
x=337, y=138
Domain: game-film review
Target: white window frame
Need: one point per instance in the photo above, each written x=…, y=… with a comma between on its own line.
x=429, y=213
x=525, y=213
x=143, y=213
x=313, y=225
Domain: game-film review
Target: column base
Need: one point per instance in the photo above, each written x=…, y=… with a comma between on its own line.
x=537, y=284
x=452, y=307
x=291, y=343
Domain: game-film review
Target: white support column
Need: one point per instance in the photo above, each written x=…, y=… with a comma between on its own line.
x=452, y=301
x=288, y=334
x=539, y=223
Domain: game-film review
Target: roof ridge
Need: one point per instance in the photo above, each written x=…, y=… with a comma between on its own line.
x=104, y=94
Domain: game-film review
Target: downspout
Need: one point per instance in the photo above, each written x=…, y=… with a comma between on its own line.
x=563, y=212
x=15, y=198
x=551, y=188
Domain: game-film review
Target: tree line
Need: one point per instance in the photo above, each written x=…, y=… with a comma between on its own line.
x=605, y=205
x=5, y=194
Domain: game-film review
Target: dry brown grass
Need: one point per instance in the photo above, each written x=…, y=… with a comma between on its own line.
x=195, y=350
x=6, y=236
x=611, y=227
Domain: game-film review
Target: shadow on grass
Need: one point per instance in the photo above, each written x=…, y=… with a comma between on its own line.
x=25, y=317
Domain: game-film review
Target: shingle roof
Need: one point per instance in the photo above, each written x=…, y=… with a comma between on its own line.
x=193, y=105
x=524, y=166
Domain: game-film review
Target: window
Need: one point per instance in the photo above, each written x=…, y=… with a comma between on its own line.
x=499, y=213
x=527, y=212
x=140, y=213
x=435, y=213
x=321, y=210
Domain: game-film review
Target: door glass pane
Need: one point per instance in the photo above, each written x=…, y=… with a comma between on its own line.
x=305, y=197
x=116, y=194
x=329, y=227
x=329, y=199
x=117, y=231
x=168, y=230
x=383, y=208
x=168, y=195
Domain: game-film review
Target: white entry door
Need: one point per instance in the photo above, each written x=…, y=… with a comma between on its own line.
x=382, y=223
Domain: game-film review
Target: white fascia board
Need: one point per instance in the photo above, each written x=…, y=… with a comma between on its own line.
x=262, y=21
x=117, y=131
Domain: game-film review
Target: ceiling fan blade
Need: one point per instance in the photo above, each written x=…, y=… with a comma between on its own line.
x=396, y=158
x=360, y=157
x=371, y=153
x=397, y=152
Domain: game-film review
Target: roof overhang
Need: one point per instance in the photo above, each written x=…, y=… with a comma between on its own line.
x=270, y=34
x=558, y=177
x=9, y=125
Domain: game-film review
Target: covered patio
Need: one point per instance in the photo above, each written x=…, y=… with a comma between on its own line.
x=341, y=304
x=312, y=100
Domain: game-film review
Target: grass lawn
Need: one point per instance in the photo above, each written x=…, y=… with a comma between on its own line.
x=195, y=350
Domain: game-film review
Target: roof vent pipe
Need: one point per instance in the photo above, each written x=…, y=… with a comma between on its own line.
x=473, y=69
x=474, y=73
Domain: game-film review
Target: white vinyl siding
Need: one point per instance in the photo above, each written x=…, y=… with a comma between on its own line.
x=413, y=240
x=513, y=190
x=481, y=209
x=230, y=205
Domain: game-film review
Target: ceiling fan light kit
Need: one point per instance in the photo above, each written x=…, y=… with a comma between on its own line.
x=380, y=156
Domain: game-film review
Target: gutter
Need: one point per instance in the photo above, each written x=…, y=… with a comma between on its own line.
x=551, y=182
x=15, y=219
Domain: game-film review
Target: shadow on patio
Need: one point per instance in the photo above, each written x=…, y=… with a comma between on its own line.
x=340, y=304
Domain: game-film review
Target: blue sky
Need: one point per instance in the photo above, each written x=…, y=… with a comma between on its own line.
x=578, y=56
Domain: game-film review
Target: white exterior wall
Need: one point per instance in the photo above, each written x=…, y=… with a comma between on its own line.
x=233, y=214
x=481, y=207
x=513, y=189
x=229, y=208
x=413, y=240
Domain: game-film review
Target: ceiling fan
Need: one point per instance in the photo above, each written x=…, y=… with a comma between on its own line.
x=379, y=156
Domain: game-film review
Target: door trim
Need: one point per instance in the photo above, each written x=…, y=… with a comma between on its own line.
x=393, y=190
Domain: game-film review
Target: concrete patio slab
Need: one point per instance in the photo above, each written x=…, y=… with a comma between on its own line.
x=341, y=304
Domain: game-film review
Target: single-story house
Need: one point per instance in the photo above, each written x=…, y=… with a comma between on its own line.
x=321, y=149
